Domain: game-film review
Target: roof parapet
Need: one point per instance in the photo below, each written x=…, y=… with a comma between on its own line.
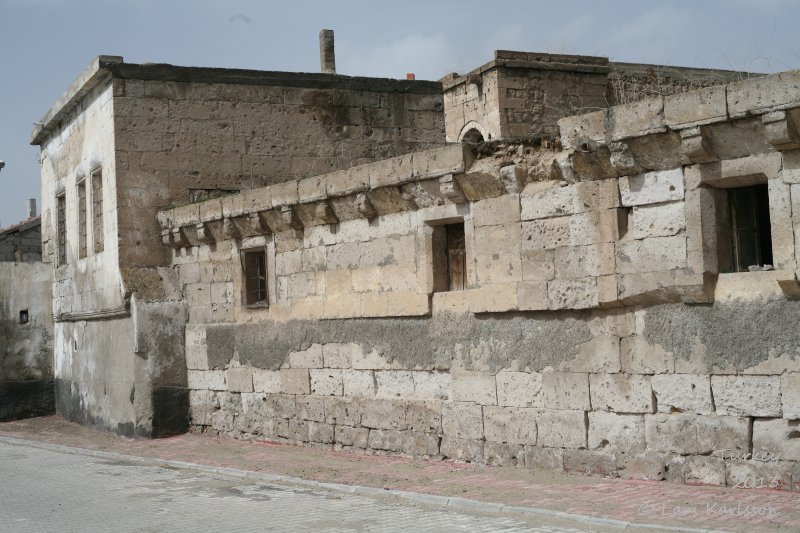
x=95, y=71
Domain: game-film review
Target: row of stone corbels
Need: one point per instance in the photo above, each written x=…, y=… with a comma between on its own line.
x=423, y=179
x=756, y=115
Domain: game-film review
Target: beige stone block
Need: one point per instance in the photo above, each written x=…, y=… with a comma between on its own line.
x=478, y=387
x=338, y=282
x=453, y=302
x=267, y=381
x=498, y=268
x=366, y=279
x=781, y=227
x=239, y=379
x=595, y=227
x=206, y=380
x=375, y=304
x=294, y=380
x=661, y=220
x=565, y=390
x=700, y=470
x=617, y=433
x=326, y=381
x=636, y=119
x=621, y=393
x=640, y=357
x=519, y=389
x=747, y=395
x=384, y=414
x=790, y=395
x=308, y=358
x=511, y=425
x=690, y=434
x=498, y=239
x=196, y=357
x=576, y=129
x=545, y=234
x=683, y=393
x=462, y=420
x=336, y=355
x=494, y=298
x=601, y=354
x=776, y=438
x=532, y=296
x=700, y=106
x=584, y=261
x=408, y=303
x=654, y=254
x=358, y=383
x=432, y=385
x=753, y=95
x=372, y=360
x=538, y=265
x=496, y=211
x=652, y=187
x=572, y=293
x=394, y=383
x=561, y=429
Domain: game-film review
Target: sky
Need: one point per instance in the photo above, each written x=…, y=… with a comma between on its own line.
x=44, y=44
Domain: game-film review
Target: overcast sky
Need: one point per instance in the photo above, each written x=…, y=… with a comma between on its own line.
x=44, y=44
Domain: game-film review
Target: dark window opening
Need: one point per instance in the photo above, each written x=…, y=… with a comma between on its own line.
x=97, y=210
x=61, y=229
x=449, y=258
x=82, y=219
x=751, y=235
x=472, y=137
x=23, y=316
x=254, y=264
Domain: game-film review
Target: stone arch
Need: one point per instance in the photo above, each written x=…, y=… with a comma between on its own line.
x=473, y=133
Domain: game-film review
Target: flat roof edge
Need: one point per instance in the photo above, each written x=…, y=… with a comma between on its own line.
x=96, y=70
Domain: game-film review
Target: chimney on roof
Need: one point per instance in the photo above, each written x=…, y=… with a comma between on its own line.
x=411, y=76
x=327, y=57
x=30, y=203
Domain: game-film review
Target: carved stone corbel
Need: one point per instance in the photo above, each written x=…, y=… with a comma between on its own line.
x=229, y=229
x=364, y=206
x=780, y=130
x=324, y=213
x=289, y=218
x=450, y=189
x=204, y=235
x=696, y=145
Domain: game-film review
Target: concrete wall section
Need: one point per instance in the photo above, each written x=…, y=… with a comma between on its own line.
x=26, y=349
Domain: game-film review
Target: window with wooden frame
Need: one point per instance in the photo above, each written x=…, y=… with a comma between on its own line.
x=61, y=229
x=97, y=210
x=82, y=219
x=751, y=231
x=254, y=278
x=449, y=258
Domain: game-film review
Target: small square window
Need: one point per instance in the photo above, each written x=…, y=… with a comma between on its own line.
x=254, y=278
x=449, y=258
x=23, y=316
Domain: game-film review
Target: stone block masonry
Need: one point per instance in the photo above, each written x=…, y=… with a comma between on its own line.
x=576, y=343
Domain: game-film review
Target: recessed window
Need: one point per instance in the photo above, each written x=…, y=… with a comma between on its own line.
x=23, y=316
x=97, y=210
x=82, y=219
x=61, y=229
x=254, y=266
x=449, y=258
x=750, y=241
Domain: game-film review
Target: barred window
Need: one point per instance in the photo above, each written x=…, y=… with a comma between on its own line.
x=61, y=229
x=449, y=258
x=82, y=219
x=97, y=210
x=254, y=274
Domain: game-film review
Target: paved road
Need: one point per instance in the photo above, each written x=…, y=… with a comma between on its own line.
x=48, y=491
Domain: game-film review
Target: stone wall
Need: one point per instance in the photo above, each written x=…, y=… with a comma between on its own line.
x=26, y=340
x=22, y=242
x=597, y=332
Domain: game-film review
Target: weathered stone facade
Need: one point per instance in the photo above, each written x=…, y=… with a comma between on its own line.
x=26, y=324
x=598, y=331
x=130, y=140
x=302, y=258
x=520, y=95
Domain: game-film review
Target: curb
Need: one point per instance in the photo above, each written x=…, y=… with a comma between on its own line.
x=447, y=502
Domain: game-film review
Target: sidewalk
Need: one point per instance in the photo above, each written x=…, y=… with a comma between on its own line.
x=634, y=502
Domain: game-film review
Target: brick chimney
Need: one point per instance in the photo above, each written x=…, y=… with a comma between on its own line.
x=327, y=56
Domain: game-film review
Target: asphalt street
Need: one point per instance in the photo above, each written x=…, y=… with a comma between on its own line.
x=46, y=491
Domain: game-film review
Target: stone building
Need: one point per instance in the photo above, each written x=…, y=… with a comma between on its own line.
x=619, y=301
x=126, y=141
x=26, y=323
